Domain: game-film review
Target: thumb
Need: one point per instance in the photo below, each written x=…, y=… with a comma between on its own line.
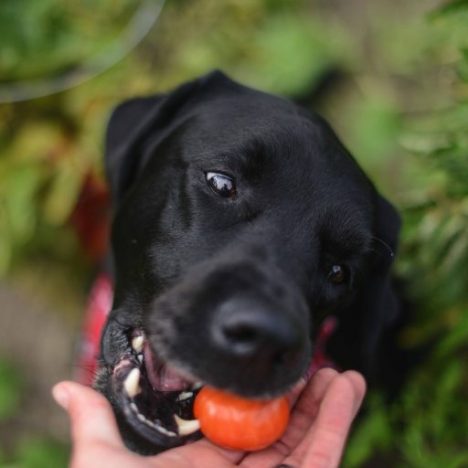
x=91, y=416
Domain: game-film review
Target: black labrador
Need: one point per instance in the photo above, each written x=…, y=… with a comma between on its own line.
x=241, y=222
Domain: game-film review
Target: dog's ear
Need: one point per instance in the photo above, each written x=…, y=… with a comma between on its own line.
x=134, y=122
x=376, y=307
x=378, y=299
x=386, y=232
x=125, y=132
x=131, y=124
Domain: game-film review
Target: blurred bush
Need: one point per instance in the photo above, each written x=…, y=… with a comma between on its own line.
x=428, y=427
x=33, y=452
x=49, y=146
x=10, y=388
x=400, y=104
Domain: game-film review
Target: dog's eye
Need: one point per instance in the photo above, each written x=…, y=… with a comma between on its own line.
x=222, y=184
x=338, y=274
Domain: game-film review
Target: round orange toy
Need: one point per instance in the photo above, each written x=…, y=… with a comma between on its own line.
x=239, y=423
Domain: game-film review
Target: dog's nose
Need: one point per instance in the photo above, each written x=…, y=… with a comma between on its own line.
x=254, y=332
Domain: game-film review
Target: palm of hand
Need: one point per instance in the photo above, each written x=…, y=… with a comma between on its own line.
x=322, y=415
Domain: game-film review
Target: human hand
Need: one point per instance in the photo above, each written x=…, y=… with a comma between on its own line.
x=324, y=409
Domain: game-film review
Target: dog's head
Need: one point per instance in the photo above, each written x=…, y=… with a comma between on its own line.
x=240, y=223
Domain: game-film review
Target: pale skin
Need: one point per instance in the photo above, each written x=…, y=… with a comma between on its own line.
x=323, y=410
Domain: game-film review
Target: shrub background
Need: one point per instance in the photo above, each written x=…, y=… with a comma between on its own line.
x=393, y=77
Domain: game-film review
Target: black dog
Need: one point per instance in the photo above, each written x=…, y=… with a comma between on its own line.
x=240, y=223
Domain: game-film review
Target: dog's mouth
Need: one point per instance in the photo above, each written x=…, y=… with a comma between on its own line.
x=156, y=399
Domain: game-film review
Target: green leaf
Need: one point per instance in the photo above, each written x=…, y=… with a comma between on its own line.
x=63, y=193
x=6, y=246
x=21, y=190
x=372, y=433
x=41, y=453
x=453, y=7
x=457, y=337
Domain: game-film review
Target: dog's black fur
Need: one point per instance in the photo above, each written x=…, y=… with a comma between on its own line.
x=231, y=289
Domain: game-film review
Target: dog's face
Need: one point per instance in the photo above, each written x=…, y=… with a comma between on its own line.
x=240, y=222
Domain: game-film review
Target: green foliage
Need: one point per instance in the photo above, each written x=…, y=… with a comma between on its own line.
x=374, y=131
x=61, y=30
x=315, y=51
x=403, y=112
x=373, y=433
x=32, y=452
x=48, y=146
x=10, y=388
x=428, y=426
x=436, y=435
x=440, y=139
x=39, y=453
x=252, y=41
x=33, y=191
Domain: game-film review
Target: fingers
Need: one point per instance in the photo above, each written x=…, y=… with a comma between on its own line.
x=313, y=387
x=302, y=417
x=91, y=417
x=306, y=409
x=97, y=442
x=319, y=425
x=204, y=453
x=309, y=402
x=323, y=445
x=199, y=454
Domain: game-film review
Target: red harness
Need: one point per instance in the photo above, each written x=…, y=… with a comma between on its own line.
x=99, y=305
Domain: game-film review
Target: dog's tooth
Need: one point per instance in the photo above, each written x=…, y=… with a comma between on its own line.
x=197, y=385
x=132, y=383
x=137, y=343
x=186, y=426
x=140, y=358
x=184, y=396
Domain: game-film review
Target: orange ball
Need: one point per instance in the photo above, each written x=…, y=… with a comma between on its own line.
x=239, y=423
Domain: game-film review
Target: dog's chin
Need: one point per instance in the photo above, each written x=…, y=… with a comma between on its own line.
x=155, y=399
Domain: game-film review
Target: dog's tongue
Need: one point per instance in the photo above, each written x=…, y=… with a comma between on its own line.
x=162, y=377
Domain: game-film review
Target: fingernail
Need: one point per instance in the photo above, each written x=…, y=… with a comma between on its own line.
x=61, y=395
